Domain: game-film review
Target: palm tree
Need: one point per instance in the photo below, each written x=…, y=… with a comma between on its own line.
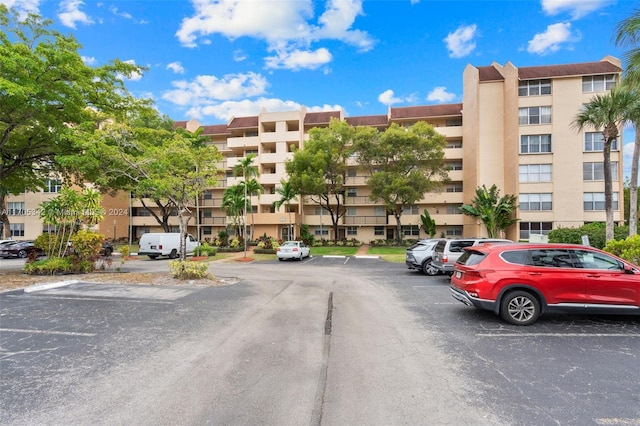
x=628, y=34
x=253, y=187
x=287, y=194
x=607, y=112
x=496, y=213
x=233, y=202
x=246, y=169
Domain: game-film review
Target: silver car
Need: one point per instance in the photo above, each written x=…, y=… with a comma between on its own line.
x=420, y=254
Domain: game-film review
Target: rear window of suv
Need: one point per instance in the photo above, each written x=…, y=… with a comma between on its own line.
x=471, y=257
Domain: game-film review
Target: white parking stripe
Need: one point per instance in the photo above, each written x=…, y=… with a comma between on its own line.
x=61, y=333
x=559, y=335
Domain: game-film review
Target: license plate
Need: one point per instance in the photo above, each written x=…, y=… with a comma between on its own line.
x=458, y=274
x=152, y=247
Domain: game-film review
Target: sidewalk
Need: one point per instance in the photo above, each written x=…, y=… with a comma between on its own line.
x=363, y=250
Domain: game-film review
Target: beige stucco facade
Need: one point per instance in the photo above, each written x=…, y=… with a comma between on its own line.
x=493, y=137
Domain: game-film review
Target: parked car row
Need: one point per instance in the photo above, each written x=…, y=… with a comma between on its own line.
x=20, y=249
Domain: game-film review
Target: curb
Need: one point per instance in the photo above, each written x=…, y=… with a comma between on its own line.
x=48, y=286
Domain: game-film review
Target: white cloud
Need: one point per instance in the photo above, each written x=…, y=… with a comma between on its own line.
x=70, y=13
x=176, y=67
x=299, y=59
x=440, y=94
x=116, y=12
x=226, y=110
x=23, y=7
x=577, y=8
x=239, y=55
x=552, y=39
x=89, y=60
x=288, y=28
x=461, y=42
x=388, y=98
x=208, y=89
x=135, y=76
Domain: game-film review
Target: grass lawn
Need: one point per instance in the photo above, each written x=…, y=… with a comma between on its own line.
x=390, y=254
x=333, y=250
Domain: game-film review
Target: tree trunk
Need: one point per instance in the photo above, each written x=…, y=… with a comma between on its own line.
x=633, y=188
x=608, y=190
x=4, y=217
x=398, y=215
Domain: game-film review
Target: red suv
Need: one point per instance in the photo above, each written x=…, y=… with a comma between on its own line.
x=521, y=281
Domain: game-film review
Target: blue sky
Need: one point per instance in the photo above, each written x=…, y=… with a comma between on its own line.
x=214, y=59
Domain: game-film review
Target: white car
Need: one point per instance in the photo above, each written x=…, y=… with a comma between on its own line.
x=293, y=250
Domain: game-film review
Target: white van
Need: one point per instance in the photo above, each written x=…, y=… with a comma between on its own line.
x=154, y=244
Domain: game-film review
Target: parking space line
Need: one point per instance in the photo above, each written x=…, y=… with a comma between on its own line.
x=559, y=335
x=59, y=333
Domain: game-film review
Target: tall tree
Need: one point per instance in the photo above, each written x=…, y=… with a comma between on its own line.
x=49, y=99
x=248, y=170
x=403, y=165
x=253, y=187
x=607, y=113
x=627, y=34
x=495, y=212
x=320, y=168
x=428, y=224
x=287, y=195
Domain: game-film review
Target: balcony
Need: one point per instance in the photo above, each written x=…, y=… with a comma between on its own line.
x=243, y=142
x=280, y=136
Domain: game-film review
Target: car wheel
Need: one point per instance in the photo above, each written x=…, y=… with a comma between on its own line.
x=520, y=308
x=22, y=254
x=154, y=257
x=428, y=269
x=280, y=259
x=173, y=254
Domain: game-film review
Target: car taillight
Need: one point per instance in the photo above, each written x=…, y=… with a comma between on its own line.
x=445, y=258
x=478, y=273
x=278, y=249
x=160, y=246
x=295, y=249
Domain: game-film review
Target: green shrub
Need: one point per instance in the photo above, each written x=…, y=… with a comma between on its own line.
x=205, y=250
x=87, y=245
x=627, y=249
x=48, y=266
x=188, y=270
x=596, y=232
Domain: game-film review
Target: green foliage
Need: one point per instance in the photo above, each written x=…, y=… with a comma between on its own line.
x=49, y=266
x=627, y=249
x=428, y=224
x=124, y=251
x=235, y=243
x=205, y=250
x=596, y=232
x=87, y=244
x=496, y=213
x=184, y=269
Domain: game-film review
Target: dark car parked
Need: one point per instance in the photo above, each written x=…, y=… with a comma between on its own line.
x=21, y=249
x=520, y=282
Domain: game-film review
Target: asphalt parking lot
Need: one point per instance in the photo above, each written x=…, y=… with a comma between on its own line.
x=562, y=370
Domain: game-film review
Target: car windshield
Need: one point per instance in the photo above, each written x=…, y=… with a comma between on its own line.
x=290, y=244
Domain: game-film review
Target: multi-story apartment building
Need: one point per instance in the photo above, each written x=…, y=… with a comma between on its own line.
x=514, y=128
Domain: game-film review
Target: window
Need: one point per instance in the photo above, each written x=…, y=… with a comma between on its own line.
x=352, y=230
x=15, y=208
x=453, y=231
x=378, y=230
x=535, y=173
x=455, y=165
x=411, y=230
x=352, y=192
x=552, y=258
x=250, y=133
x=534, y=87
x=141, y=211
x=533, y=144
x=207, y=213
x=454, y=208
x=594, y=201
x=455, y=187
x=592, y=260
x=598, y=83
x=207, y=195
x=535, y=202
x=207, y=230
x=412, y=209
x=594, y=142
x=352, y=172
x=454, y=144
x=53, y=185
x=538, y=228
x=595, y=171
x=321, y=231
x=17, y=229
x=379, y=211
x=535, y=115
x=352, y=211
x=452, y=122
